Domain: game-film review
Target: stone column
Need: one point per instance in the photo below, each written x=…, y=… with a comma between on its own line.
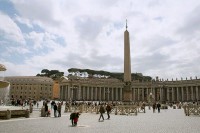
x=143, y=94
x=113, y=95
x=109, y=93
x=177, y=94
x=154, y=93
x=88, y=92
x=95, y=93
x=65, y=91
x=79, y=92
x=197, y=93
x=83, y=94
x=187, y=94
x=120, y=94
x=61, y=92
x=104, y=98
x=64, y=88
x=192, y=93
x=99, y=93
x=61, y=97
x=68, y=93
x=182, y=94
x=116, y=94
x=147, y=93
x=161, y=95
x=138, y=94
x=173, y=99
x=92, y=94
x=168, y=94
x=133, y=90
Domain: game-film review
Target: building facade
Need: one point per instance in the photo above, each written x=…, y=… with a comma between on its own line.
x=30, y=87
x=112, y=90
x=56, y=90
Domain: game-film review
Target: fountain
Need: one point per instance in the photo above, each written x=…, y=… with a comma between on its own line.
x=7, y=112
x=4, y=87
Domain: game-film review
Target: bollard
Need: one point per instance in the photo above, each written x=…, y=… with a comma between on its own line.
x=8, y=114
x=27, y=113
x=116, y=108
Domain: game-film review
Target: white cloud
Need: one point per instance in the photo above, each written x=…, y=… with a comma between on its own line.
x=9, y=29
x=19, y=50
x=24, y=21
x=164, y=35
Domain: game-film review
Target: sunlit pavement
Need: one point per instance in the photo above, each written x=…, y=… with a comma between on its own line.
x=168, y=121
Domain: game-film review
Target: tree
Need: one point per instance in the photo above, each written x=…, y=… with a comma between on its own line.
x=101, y=73
x=54, y=74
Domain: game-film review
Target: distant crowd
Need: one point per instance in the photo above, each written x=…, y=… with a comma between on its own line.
x=104, y=107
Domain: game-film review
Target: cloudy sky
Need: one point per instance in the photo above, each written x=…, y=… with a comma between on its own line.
x=63, y=34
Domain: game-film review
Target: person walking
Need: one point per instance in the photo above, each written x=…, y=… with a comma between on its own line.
x=158, y=107
x=101, y=111
x=154, y=107
x=55, y=110
x=108, y=110
x=59, y=109
x=46, y=109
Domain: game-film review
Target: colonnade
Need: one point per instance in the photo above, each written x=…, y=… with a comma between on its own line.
x=170, y=94
x=90, y=93
x=100, y=93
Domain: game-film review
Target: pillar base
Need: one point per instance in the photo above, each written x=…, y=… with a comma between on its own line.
x=127, y=95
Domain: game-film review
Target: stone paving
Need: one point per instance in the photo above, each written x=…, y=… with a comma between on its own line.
x=168, y=121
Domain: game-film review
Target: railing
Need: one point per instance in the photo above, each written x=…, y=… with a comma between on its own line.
x=191, y=109
x=119, y=109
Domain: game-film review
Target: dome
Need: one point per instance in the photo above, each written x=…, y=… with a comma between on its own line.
x=2, y=67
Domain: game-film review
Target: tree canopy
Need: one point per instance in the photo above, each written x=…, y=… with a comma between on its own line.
x=120, y=76
x=54, y=74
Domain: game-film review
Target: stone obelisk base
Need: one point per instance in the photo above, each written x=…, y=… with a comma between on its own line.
x=127, y=95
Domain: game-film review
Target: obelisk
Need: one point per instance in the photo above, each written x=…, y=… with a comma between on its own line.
x=127, y=91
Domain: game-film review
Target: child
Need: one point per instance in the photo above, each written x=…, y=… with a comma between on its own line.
x=76, y=116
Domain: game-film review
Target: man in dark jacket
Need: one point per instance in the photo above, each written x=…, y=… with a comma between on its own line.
x=101, y=111
x=46, y=109
x=59, y=109
x=158, y=107
x=108, y=110
x=55, y=110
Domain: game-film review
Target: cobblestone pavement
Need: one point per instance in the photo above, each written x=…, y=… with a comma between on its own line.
x=168, y=121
